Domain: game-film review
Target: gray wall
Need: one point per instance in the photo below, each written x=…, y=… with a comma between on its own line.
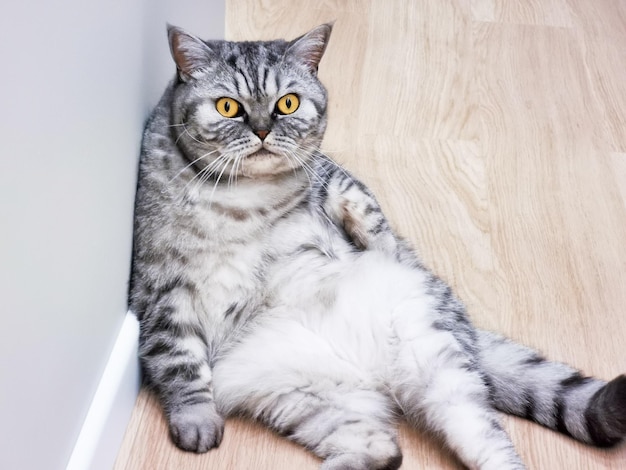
x=77, y=81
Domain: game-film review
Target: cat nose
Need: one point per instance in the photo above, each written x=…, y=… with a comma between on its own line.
x=262, y=133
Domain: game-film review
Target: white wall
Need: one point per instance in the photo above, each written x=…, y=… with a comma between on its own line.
x=77, y=80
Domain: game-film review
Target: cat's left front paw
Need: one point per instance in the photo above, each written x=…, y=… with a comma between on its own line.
x=354, y=225
x=367, y=228
x=197, y=428
x=356, y=211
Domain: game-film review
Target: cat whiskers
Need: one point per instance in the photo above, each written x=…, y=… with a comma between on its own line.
x=232, y=158
x=217, y=180
x=204, y=174
x=296, y=162
x=234, y=173
x=174, y=125
x=238, y=165
x=201, y=157
x=321, y=178
x=328, y=159
x=185, y=131
x=308, y=169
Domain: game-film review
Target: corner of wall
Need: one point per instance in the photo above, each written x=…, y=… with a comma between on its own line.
x=103, y=430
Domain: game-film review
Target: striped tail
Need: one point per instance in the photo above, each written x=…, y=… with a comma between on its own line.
x=553, y=394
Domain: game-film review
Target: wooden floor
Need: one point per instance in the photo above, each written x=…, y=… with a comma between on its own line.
x=494, y=133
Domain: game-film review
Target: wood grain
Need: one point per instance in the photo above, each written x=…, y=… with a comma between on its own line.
x=494, y=134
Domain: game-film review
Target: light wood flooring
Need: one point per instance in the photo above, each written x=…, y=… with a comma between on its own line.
x=494, y=134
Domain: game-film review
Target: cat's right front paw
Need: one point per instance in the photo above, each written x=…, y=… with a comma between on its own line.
x=197, y=428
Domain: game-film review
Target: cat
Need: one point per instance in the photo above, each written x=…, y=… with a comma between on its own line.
x=269, y=284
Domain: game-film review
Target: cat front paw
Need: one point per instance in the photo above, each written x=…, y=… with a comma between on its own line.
x=367, y=227
x=354, y=225
x=351, y=206
x=197, y=428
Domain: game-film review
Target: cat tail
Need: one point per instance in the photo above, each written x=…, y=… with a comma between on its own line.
x=553, y=394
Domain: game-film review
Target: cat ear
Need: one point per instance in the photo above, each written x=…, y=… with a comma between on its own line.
x=189, y=52
x=310, y=48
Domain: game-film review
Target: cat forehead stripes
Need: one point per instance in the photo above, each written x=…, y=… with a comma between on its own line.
x=254, y=67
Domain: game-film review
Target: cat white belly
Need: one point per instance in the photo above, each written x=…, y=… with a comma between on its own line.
x=342, y=331
x=358, y=318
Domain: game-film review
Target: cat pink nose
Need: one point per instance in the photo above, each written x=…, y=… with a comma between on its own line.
x=262, y=133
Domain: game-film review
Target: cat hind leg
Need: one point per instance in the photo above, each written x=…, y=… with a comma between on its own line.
x=311, y=397
x=437, y=386
x=349, y=429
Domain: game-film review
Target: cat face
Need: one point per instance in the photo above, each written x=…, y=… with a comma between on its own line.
x=249, y=109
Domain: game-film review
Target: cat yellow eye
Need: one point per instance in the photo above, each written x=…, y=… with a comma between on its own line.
x=228, y=107
x=288, y=104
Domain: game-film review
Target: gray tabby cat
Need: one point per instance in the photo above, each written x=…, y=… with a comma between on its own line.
x=269, y=284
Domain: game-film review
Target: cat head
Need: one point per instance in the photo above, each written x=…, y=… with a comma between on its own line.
x=251, y=109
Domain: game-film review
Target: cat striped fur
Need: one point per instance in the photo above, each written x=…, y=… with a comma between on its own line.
x=269, y=284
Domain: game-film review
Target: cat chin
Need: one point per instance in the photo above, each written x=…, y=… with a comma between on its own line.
x=264, y=164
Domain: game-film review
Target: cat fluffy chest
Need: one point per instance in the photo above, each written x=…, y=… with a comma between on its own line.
x=233, y=253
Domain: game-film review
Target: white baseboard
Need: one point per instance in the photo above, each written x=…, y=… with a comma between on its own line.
x=103, y=430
